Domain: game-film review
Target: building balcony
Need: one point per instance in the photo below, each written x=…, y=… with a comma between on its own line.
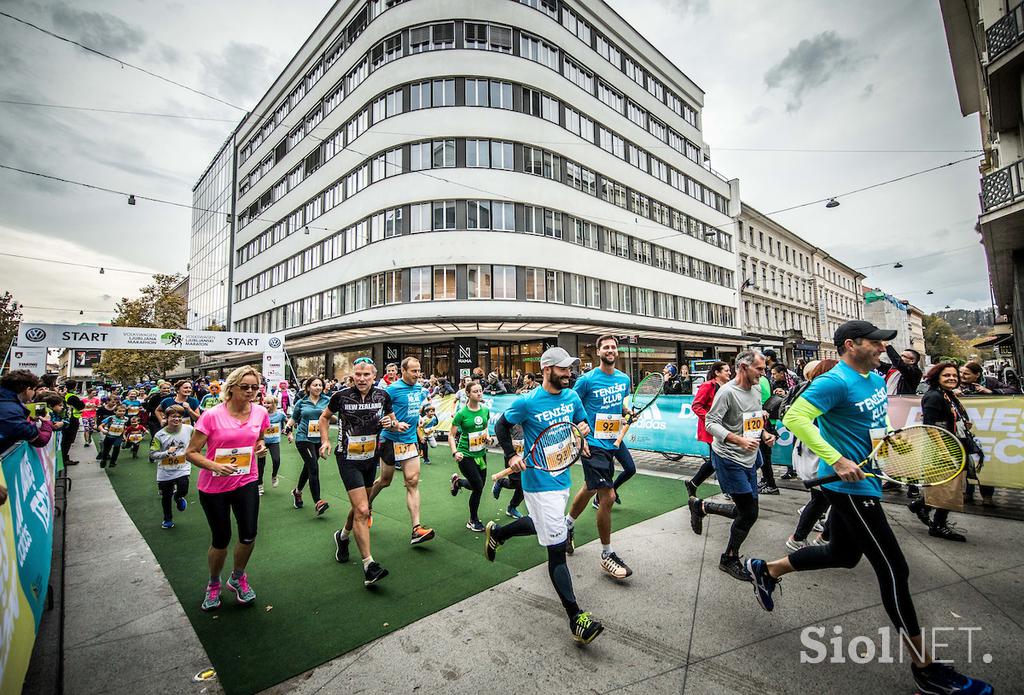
x=1005, y=43
x=1002, y=188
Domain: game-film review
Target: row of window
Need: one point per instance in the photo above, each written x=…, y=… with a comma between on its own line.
x=429, y=38
x=477, y=153
x=479, y=215
x=778, y=281
x=486, y=282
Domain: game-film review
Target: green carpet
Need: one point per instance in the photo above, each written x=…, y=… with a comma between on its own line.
x=309, y=608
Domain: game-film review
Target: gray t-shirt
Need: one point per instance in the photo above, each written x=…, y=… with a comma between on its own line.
x=736, y=410
x=168, y=452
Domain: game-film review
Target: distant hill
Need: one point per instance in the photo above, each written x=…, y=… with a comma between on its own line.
x=968, y=323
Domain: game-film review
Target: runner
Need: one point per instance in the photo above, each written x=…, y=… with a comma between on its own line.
x=231, y=433
x=603, y=394
x=850, y=405
x=390, y=376
x=134, y=433
x=546, y=493
x=183, y=397
x=153, y=402
x=398, y=445
x=210, y=399
x=425, y=431
x=737, y=423
x=468, y=440
x=132, y=403
x=362, y=410
x=304, y=431
x=167, y=450
x=719, y=375
x=88, y=421
x=112, y=428
x=272, y=439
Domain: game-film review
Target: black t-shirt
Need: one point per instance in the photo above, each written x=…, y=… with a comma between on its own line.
x=358, y=416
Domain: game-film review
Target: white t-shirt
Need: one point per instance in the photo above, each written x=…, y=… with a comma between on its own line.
x=171, y=464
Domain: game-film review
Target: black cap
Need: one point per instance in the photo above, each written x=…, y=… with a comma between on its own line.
x=851, y=330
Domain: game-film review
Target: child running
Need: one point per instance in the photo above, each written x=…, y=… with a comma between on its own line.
x=272, y=438
x=134, y=433
x=167, y=450
x=89, y=416
x=468, y=440
x=112, y=428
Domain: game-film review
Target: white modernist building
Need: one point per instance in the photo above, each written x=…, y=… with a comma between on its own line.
x=470, y=181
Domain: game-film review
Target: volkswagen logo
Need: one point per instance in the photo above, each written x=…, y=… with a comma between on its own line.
x=274, y=342
x=36, y=335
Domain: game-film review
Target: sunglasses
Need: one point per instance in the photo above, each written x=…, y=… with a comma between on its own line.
x=363, y=360
x=249, y=387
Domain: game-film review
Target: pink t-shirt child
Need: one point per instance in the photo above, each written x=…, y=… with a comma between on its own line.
x=230, y=441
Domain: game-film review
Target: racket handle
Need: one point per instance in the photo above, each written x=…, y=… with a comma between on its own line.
x=622, y=432
x=821, y=481
x=502, y=474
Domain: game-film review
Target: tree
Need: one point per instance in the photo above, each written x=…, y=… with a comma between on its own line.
x=10, y=318
x=157, y=307
x=941, y=342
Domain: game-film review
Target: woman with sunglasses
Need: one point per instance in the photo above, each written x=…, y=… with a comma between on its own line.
x=232, y=435
x=304, y=431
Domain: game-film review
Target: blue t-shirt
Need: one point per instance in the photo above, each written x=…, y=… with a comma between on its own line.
x=132, y=407
x=852, y=405
x=535, y=411
x=306, y=414
x=602, y=395
x=115, y=426
x=193, y=403
x=405, y=403
x=277, y=419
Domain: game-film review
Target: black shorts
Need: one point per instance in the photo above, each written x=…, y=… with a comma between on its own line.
x=244, y=502
x=357, y=474
x=387, y=452
x=599, y=469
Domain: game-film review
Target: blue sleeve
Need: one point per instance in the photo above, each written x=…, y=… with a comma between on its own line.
x=579, y=413
x=517, y=412
x=580, y=386
x=826, y=392
x=297, y=411
x=14, y=425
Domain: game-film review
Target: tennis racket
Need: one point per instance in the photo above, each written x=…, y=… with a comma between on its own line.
x=917, y=455
x=644, y=395
x=556, y=448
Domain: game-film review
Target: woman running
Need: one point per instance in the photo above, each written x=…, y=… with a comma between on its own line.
x=183, y=397
x=304, y=432
x=232, y=435
x=468, y=440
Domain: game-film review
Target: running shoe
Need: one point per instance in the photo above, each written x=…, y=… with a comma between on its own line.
x=490, y=542
x=819, y=527
x=766, y=489
x=212, y=599
x=947, y=533
x=764, y=583
x=733, y=566
x=274, y=482
x=697, y=515
x=795, y=545
x=943, y=679
x=570, y=540
x=513, y=512
x=496, y=489
x=691, y=489
x=341, y=554
x=454, y=487
x=321, y=507
x=296, y=498
x=373, y=574
x=613, y=565
x=595, y=502
x=585, y=628
x=182, y=504
x=259, y=489
x=790, y=474
x=913, y=492
x=922, y=512
x=475, y=526
x=243, y=592
x=112, y=464
x=421, y=534
x=167, y=524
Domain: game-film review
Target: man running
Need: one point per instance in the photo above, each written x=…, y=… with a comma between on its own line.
x=603, y=393
x=737, y=422
x=399, y=446
x=362, y=411
x=546, y=493
x=850, y=406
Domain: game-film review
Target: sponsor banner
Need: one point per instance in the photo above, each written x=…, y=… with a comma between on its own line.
x=125, y=338
x=31, y=358
x=87, y=359
x=273, y=367
x=26, y=543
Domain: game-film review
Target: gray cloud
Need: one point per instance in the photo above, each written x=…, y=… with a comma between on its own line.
x=239, y=73
x=869, y=89
x=98, y=30
x=812, y=63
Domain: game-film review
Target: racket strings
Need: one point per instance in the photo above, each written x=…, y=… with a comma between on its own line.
x=921, y=456
x=557, y=447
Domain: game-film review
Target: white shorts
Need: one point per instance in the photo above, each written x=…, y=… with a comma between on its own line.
x=547, y=509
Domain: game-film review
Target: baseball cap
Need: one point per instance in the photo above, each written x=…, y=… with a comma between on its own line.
x=557, y=357
x=851, y=330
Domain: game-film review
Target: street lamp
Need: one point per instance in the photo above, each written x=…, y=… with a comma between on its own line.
x=832, y=203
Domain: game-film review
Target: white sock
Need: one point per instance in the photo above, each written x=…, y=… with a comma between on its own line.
x=569, y=521
x=366, y=562
x=606, y=550
x=344, y=534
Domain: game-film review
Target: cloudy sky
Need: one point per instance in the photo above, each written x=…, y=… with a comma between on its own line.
x=785, y=75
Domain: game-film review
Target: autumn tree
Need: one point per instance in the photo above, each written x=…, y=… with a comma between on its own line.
x=941, y=342
x=10, y=318
x=158, y=306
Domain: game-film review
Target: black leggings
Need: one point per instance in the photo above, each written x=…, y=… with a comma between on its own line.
x=558, y=571
x=767, y=474
x=812, y=512
x=310, y=453
x=175, y=488
x=705, y=471
x=70, y=431
x=243, y=502
x=746, y=516
x=474, y=481
x=859, y=528
x=111, y=448
x=274, y=448
x=625, y=460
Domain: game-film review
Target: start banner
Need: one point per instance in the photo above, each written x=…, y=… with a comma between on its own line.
x=26, y=544
x=126, y=338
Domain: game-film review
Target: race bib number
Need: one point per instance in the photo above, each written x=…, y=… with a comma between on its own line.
x=404, y=452
x=607, y=425
x=753, y=424
x=272, y=431
x=313, y=428
x=240, y=458
x=133, y=410
x=361, y=447
x=135, y=438
x=115, y=430
x=478, y=440
x=171, y=461
x=558, y=455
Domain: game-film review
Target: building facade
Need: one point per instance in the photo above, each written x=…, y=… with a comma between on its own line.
x=986, y=48
x=777, y=287
x=469, y=182
x=839, y=299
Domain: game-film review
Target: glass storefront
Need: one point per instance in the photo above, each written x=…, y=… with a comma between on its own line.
x=342, y=361
x=307, y=366
x=637, y=360
x=435, y=360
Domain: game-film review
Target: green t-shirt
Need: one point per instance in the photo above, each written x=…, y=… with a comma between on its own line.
x=766, y=389
x=473, y=434
x=209, y=401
